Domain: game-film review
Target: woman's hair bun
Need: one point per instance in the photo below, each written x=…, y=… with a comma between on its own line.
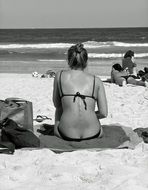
x=78, y=48
x=77, y=56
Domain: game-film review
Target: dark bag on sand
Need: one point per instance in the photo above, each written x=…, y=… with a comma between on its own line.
x=18, y=110
x=7, y=147
x=20, y=137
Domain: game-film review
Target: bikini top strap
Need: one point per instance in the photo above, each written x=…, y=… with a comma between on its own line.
x=93, y=88
x=60, y=84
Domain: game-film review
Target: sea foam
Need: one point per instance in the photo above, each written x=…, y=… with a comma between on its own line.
x=88, y=44
x=114, y=55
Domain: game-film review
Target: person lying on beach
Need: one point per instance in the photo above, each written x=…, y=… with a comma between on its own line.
x=129, y=63
x=143, y=74
x=121, y=77
x=74, y=96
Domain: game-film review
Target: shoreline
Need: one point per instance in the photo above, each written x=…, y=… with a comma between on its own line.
x=97, y=67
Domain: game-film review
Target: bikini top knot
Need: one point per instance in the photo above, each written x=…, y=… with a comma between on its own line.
x=82, y=97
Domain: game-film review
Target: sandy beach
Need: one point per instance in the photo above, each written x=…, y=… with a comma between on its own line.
x=110, y=169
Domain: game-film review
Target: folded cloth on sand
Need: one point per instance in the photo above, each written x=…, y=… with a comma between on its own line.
x=18, y=136
x=115, y=136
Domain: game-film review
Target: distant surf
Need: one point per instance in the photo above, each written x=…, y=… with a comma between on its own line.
x=114, y=55
x=96, y=50
x=88, y=44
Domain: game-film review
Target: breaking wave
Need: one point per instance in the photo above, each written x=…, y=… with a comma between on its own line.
x=88, y=44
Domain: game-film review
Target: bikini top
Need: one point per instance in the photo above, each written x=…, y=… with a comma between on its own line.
x=77, y=94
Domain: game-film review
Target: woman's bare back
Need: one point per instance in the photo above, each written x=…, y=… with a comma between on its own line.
x=78, y=119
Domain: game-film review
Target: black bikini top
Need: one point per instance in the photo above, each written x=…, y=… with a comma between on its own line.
x=77, y=94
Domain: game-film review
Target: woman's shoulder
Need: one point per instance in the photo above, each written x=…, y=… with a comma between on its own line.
x=95, y=77
x=58, y=73
x=85, y=74
x=98, y=80
x=89, y=74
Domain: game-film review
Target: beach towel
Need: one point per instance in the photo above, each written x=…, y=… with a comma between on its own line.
x=115, y=136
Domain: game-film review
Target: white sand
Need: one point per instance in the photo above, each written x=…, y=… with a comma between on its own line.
x=42, y=169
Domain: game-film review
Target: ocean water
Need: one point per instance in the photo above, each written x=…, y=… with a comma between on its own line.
x=27, y=50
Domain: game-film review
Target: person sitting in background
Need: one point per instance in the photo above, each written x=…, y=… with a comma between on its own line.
x=74, y=96
x=121, y=77
x=118, y=75
x=128, y=63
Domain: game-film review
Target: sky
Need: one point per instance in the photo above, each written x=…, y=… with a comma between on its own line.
x=73, y=13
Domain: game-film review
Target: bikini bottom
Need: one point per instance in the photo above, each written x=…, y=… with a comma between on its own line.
x=133, y=76
x=78, y=140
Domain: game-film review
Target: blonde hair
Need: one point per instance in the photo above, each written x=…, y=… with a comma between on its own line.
x=77, y=56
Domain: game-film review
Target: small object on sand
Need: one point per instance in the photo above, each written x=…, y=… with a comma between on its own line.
x=35, y=74
x=41, y=118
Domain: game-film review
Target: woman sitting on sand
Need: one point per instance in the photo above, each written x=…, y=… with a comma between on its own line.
x=129, y=63
x=122, y=77
x=74, y=96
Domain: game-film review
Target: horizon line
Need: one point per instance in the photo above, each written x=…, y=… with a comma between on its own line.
x=75, y=27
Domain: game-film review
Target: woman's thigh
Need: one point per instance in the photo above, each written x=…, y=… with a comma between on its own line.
x=120, y=81
x=135, y=82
